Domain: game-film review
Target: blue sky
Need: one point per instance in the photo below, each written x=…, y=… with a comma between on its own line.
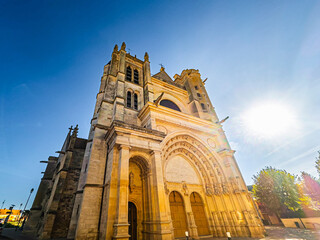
x=52, y=55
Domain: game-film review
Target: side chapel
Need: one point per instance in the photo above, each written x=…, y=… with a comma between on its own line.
x=156, y=164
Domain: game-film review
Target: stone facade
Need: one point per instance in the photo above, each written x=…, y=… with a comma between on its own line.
x=52, y=208
x=156, y=164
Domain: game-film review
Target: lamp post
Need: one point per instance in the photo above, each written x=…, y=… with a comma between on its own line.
x=24, y=207
x=28, y=199
x=20, y=210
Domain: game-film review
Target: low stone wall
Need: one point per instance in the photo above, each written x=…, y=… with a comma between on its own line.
x=312, y=223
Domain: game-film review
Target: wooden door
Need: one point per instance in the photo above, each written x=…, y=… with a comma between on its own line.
x=178, y=214
x=132, y=220
x=199, y=214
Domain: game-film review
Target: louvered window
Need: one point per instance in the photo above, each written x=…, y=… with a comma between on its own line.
x=135, y=101
x=129, y=74
x=129, y=99
x=136, y=76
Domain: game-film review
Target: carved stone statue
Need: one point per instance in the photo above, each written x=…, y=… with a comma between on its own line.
x=131, y=182
x=185, y=188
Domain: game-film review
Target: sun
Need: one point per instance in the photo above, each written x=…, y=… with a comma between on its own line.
x=269, y=119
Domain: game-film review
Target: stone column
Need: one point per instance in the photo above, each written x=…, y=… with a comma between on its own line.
x=146, y=206
x=231, y=223
x=161, y=218
x=217, y=224
x=192, y=226
x=237, y=224
x=121, y=226
x=150, y=205
x=193, y=231
x=222, y=223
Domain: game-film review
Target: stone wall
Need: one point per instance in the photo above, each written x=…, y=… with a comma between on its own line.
x=311, y=223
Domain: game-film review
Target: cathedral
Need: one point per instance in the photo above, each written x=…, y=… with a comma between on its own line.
x=156, y=165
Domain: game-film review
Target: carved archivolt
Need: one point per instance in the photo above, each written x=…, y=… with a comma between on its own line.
x=142, y=162
x=203, y=159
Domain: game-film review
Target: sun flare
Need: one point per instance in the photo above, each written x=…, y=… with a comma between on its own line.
x=269, y=119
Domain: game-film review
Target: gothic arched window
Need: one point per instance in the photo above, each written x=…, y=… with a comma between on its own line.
x=169, y=104
x=129, y=99
x=129, y=74
x=136, y=76
x=135, y=101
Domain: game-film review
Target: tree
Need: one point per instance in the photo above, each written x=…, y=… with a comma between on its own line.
x=318, y=164
x=311, y=189
x=277, y=191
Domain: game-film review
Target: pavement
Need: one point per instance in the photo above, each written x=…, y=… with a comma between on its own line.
x=272, y=233
x=277, y=233
x=291, y=233
x=11, y=233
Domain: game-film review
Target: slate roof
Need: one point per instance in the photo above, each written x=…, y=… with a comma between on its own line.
x=163, y=76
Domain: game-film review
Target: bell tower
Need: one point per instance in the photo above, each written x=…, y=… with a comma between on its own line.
x=157, y=162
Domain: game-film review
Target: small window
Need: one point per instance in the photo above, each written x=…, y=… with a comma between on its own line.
x=129, y=99
x=196, y=87
x=129, y=74
x=136, y=76
x=135, y=101
x=199, y=95
x=203, y=107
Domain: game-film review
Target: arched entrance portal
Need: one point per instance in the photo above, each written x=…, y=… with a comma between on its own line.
x=132, y=220
x=178, y=214
x=199, y=214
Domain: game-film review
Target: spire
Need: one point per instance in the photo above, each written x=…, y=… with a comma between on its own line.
x=75, y=131
x=115, y=48
x=146, y=57
x=70, y=129
x=123, y=46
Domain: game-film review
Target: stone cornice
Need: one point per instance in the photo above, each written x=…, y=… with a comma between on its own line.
x=151, y=107
x=226, y=152
x=121, y=128
x=101, y=126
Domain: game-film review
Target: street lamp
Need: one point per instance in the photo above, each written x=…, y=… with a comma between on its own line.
x=28, y=199
x=24, y=208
